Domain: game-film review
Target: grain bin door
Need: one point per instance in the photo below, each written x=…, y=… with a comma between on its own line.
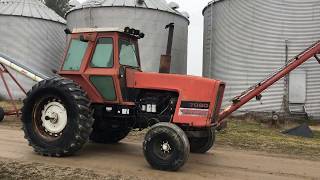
x=298, y=87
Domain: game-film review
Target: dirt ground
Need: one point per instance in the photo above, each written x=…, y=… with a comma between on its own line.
x=125, y=161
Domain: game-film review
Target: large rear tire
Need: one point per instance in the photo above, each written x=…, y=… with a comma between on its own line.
x=166, y=147
x=203, y=144
x=56, y=116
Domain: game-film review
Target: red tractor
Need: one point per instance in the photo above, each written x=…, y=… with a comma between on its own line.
x=101, y=94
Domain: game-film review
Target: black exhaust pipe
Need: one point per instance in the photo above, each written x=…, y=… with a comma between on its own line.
x=165, y=61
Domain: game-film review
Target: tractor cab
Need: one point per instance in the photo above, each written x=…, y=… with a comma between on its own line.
x=97, y=59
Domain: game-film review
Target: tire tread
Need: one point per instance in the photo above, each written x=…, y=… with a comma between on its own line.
x=85, y=120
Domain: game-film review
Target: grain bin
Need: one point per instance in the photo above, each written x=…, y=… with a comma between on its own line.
x=33, y=35
x=150, y=16
x=245, y=40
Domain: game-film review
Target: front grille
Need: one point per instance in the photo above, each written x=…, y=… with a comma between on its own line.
x=218, y=103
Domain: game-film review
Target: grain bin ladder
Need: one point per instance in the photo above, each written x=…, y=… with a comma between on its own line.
x=257, y=89
x=5, y=62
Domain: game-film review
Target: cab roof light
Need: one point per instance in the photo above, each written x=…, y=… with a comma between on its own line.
x=134, y=32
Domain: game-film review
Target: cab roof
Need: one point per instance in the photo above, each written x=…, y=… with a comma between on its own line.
x=127, y=31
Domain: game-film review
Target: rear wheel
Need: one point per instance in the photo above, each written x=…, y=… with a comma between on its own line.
x=166, y=147
x=109, y=136
x=203, y=144
x=56, y=117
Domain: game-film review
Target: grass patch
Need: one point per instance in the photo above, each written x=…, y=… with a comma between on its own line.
x=260, y=137
x=6, y=105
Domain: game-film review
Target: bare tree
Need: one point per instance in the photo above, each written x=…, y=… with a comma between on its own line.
x=59, y=6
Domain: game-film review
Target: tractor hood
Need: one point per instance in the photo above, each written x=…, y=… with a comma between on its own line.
x=194, y=92
x=190, y=88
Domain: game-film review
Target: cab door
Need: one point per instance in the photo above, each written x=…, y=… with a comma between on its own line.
x=106, y=67
x=101, y=71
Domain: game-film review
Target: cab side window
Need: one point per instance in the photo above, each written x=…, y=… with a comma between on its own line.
x=75, y=55
x=128, y=53
x=103, y=54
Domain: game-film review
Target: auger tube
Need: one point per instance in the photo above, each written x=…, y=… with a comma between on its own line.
x=27, y=72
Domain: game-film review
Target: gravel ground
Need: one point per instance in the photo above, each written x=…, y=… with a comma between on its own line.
x=10, y=170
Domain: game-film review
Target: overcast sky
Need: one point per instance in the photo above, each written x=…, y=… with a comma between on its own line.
x=194, y=8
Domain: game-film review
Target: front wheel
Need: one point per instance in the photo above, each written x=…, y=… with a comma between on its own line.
x=56, y=117
x=166, y=147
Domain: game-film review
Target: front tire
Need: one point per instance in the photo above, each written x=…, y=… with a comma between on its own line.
x=56, y=117
x=203, y=144
x=166, y=147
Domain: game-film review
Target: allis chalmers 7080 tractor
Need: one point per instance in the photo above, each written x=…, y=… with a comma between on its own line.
x=101, y=95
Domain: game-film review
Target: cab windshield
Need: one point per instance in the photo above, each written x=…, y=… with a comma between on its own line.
x=128, y=55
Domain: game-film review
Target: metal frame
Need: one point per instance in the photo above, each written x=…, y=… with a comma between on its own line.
x=4, y=70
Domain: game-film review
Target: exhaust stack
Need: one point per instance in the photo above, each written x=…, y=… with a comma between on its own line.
x=165, y=61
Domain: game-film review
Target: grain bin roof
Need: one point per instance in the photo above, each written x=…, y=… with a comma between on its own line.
x=160, y=5
x=29, y=8
x=211, y=3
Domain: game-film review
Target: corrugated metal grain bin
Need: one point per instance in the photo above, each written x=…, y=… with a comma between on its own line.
x=245, y=40
x=150, y=16
x=32, y=34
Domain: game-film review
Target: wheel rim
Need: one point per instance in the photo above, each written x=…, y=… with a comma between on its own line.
x=50, y=118
x=163, y=148
x=54, y=118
